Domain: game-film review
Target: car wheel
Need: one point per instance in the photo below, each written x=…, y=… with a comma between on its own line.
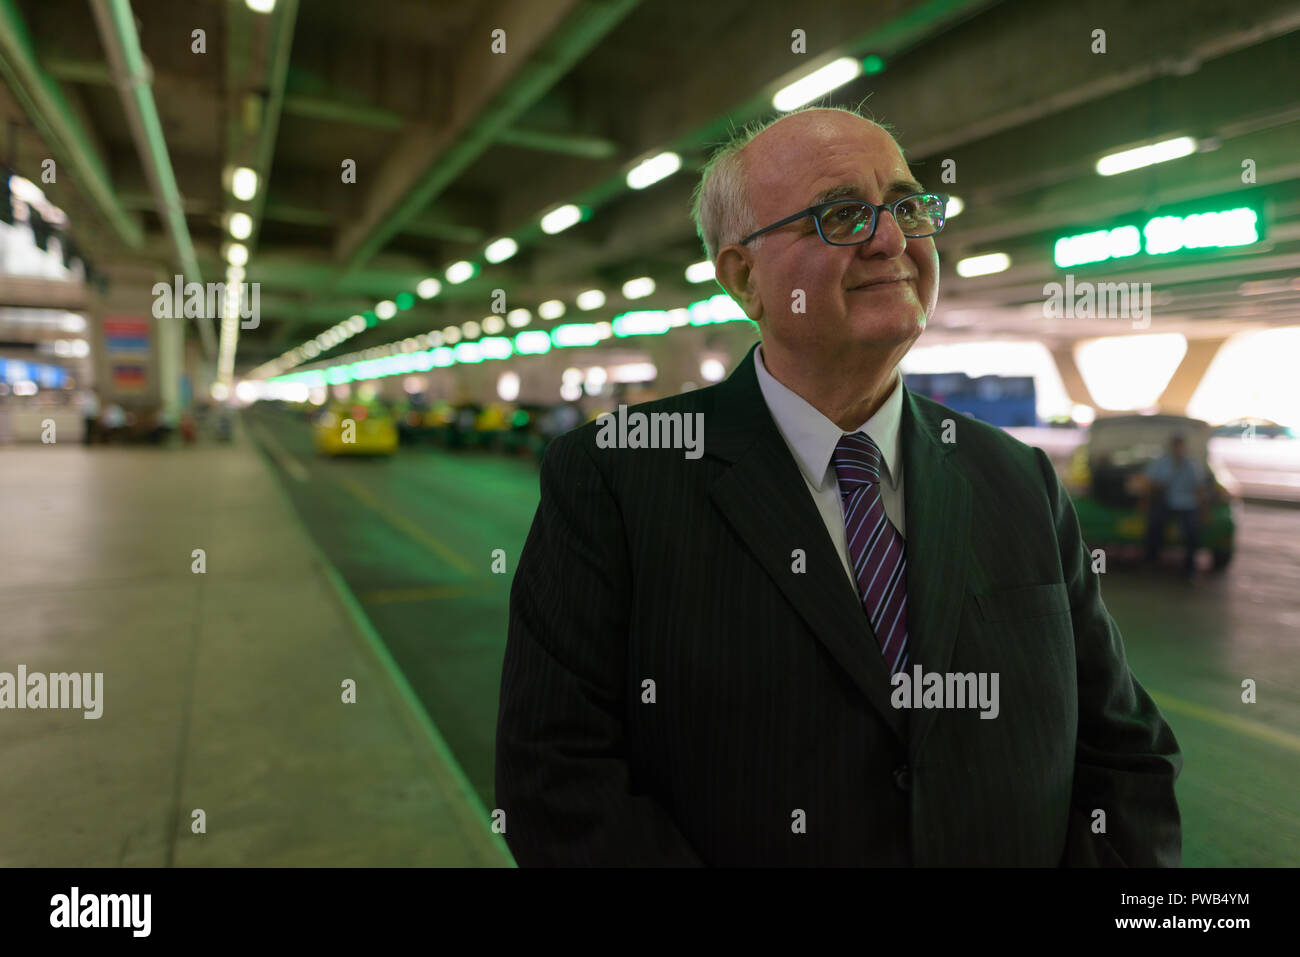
x=1221, y=558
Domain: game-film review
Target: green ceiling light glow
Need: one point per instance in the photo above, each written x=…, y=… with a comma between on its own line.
x=1097, y=246
x=871, y=65
x=1160, y=235
x=371, y=319
x=496, y=347
x=468, y=352
x=404, y=300
x=1232, y=227
x=575, y=334
x=647, y=322
x=535, y=342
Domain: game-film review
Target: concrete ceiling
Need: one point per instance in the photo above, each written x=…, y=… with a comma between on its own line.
x=455, y=145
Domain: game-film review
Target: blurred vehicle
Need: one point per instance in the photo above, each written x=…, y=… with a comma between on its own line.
x=1106, y=478
x=1251, y=426
x=355, y=428
x=413, y=421
x=491, y=425
x=457, y=423
x=525, y=435
x=1061, y=422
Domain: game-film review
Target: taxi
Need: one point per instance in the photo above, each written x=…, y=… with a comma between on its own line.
x=1106, y=479
x=355, y=428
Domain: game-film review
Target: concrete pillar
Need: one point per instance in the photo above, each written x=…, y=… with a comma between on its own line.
x=138, y=358
x=1075, y=387
x=1182, y=384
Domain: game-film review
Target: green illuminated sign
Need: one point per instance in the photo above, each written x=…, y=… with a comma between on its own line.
x=1159, y=236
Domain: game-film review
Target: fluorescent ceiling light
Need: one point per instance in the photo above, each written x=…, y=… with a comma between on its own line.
x=700, y=272
x=818, y=83
x=560, y=219
x=241, y=225
x=1133, y=159
x=243, y=184
x=551, y=309
x=237, y=254
x=983, y=265
x=500, y=250
x=428, y=288
x=458, y=272
x=591, y=299
x=954, y=208
x=653, y=170
x=638, y=288
x=386, y=309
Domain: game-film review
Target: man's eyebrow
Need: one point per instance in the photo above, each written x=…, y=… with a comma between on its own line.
x=900, y=187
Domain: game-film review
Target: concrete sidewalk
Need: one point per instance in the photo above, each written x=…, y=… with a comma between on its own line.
x=222, y=691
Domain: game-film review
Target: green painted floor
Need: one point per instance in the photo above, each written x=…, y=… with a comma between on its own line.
x=413, y=536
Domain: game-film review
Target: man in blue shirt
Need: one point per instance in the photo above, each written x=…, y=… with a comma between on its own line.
x=1177, y=491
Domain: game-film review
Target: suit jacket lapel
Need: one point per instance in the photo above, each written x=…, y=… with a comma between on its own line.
x=937, y=499
x=765, y=500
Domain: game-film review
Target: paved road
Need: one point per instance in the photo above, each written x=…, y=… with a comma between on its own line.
x=413, y=537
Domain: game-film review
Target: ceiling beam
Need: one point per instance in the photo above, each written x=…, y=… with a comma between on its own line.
x=57, y=124
x=121, y=43
x=546, y=39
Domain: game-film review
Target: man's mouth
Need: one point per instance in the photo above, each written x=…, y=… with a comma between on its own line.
x=892, y=280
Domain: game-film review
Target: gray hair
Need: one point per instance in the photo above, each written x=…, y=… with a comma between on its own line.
x=720, y=205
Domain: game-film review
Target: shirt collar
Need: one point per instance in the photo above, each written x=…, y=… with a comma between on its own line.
x=812, y=437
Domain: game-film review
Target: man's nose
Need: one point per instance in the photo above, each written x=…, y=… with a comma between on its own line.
x=888, y=241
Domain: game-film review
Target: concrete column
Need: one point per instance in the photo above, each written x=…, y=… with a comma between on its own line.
x=136, y=378
x=1068, y=369
x=1182, y=385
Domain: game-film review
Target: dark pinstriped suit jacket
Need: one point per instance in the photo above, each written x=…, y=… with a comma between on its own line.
x=770, y=693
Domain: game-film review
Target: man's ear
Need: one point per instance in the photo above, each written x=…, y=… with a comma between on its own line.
x=734, y=273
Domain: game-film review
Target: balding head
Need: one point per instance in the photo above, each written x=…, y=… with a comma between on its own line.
x=810, y=297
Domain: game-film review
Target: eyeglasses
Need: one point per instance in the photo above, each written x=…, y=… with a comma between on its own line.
x=848, y=222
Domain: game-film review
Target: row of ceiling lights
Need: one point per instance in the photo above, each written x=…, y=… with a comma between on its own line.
x=658, y=167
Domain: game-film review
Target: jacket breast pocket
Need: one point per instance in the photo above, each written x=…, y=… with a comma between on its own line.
x=1024, y=602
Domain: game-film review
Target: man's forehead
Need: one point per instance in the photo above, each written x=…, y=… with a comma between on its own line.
x=818, y=151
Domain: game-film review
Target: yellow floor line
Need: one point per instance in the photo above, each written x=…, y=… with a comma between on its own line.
x=1224, y=720
x=402, y=523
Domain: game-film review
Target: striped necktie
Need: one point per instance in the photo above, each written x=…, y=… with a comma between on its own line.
x=875, y=546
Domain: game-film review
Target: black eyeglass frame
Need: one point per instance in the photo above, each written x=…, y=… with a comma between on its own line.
x=816, y=211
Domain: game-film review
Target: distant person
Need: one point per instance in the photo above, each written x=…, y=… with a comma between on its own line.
x=1176, y=492
x=89, y=415
x=717, y=650
x=114, y=421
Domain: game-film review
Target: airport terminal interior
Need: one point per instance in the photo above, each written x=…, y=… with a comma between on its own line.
x=295, y=295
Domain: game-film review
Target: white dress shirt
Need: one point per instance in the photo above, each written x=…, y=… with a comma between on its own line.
x=811, y=438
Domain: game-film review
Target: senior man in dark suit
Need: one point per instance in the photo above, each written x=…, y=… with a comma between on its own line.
x=859, y=629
